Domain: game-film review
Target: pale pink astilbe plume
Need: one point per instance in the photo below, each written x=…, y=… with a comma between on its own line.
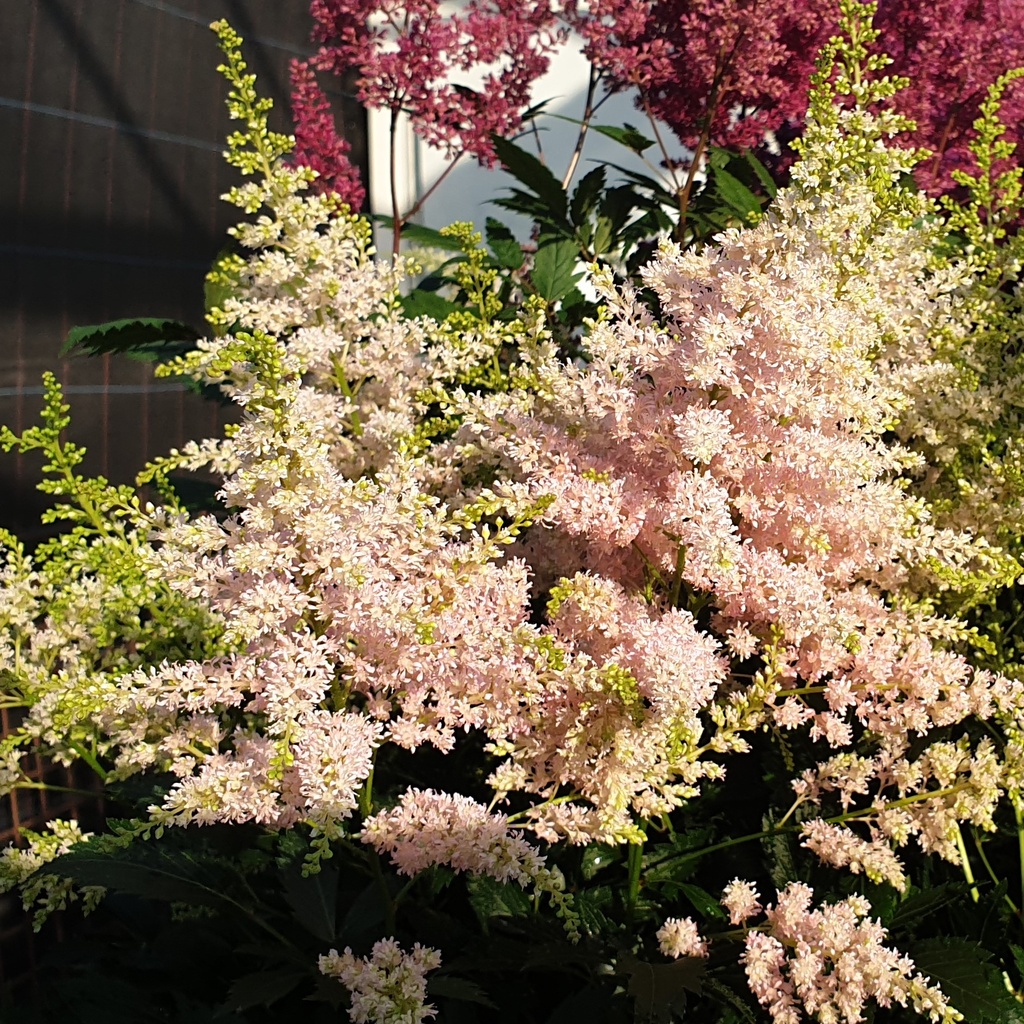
x=387, y=987
x=679, y=937
x=829, y=961
x=741, y=900
x=428, y=827
x=619, y=720
x=734, y=450
x=317, y=143
x=842, y=849
x=409, y=58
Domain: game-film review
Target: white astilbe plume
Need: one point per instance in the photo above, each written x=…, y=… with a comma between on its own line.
x=387, y=987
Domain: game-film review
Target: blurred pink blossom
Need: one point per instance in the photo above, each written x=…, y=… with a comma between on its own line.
x=410, y=57
x=317, y=143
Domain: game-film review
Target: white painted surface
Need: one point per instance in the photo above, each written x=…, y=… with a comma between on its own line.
x=467, y=192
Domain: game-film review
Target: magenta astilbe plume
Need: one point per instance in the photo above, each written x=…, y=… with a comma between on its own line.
x=738, y=68
x=409, y=57
x=317, y=143
x=952, y=51
x=734, y=69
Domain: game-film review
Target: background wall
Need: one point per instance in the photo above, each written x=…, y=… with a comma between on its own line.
x=112, y=124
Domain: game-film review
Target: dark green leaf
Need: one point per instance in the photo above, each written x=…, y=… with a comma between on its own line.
x=588, y=904
x=314, y=900
x=973, y=985
x=704, y=903
x=660, y=990
x=762, y=173
x=429, y=237
x=507, y=250
x=173, y=876
x=656, y=188
x=554, y=269
x=147, y=338
x=584, y=198
x=364, y=915
x=526, y=168
x=490, y=898
x=463, y=991
x=1018, y=958
x=420, y=302
x=591, y=1005
x=735, y=193
x=618, y=204
x=597, y=857
x=921, y=903
x=627, y=136
x=262, y=988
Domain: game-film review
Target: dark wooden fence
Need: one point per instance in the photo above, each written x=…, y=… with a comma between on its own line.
x=112, y=124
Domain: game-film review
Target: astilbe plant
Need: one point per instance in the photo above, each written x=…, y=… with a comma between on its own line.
x=599, y=589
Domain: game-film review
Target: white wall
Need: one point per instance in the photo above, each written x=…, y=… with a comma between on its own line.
x=465, y=193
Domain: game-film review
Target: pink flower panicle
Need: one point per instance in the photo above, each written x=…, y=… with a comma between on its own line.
x=411, y=59
x=389, y=986
x=740, y=67
x=317, y=143
x=828, y=962
x=679, y=937
x=427, y=828
x=741, y=900
x=702, y=63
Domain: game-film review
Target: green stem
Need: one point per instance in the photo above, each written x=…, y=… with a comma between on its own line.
x=991, y=873
x=50, y=788
x=90, y=759
x=966, y=865
x=839, y=819
x=1018, y=813
x=366, y=797
x=634, y=864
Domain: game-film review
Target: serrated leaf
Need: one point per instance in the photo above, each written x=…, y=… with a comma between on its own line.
x=262, y=988
x=554, y=269
x=660, y=990
x=597, y=857
x=176, y=876
x=364, y=915
x=506, y=248
x=526, y=168
x=1018, y=958
x=762, y=173
x=459, y=989
x=627, y=136
x=972, y=984
x=490, y=898
x=147, y=338
x=921, y=903
x=314, y=900
x=618, y=204
x=588, y=904
x=590, y=1004
x=584, y=198
x=736, y=195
